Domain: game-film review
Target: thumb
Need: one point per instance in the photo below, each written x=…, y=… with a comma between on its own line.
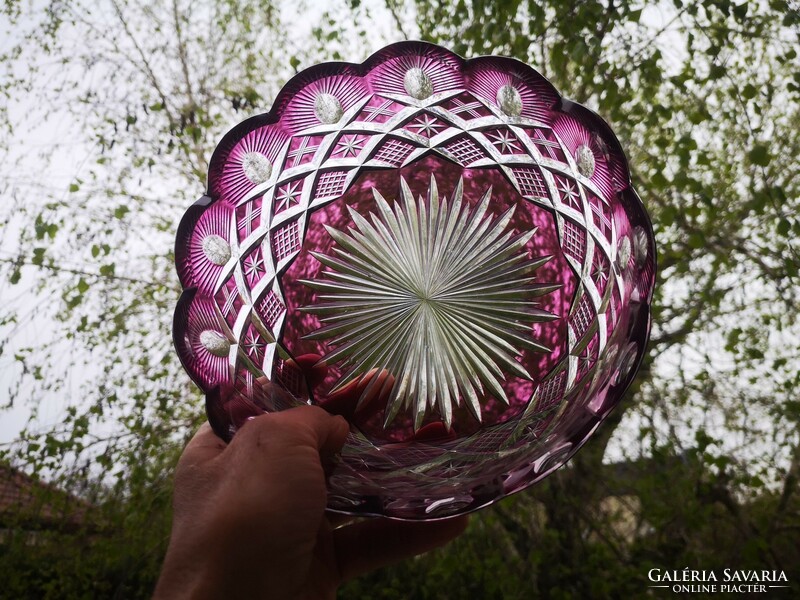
x=300, y=426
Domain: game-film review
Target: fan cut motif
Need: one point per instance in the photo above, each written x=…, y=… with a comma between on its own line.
x=436, y=293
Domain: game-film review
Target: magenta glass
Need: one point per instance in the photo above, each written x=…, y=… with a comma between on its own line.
x=444, y=251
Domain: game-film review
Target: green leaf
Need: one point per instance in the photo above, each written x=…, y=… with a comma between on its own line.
x=759, y=155
x=74, y=301
x=698, y=116
x=716, y=72
x=734, y=335
x=38, y=256
x=658, y=179
x=39, y=228
x=121, y=211
x=697, y=240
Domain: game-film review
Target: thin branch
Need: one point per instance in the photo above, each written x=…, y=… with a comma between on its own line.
x=391, y=5
x=74, y=271
x=148, y=70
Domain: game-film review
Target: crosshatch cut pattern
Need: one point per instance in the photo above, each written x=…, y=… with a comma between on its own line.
x=452, y=406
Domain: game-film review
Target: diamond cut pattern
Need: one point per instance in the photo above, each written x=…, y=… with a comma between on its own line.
x=378, y=110
x=601, y=215
x=254, y=267
x=531, y=183
x=505, y=141
x=547, y=144
x=285, y=240
x=394, y=152
x=248, y=217
x=467, y=107
x=426, y=125
x=349, y=145
x=331, y=184
x=270, y=308
x=551, y=392
x=288, y=195
x=574, y=240
x=302, y=150
x=569, y=192
x=228, y=301
x=582, y=319
x=465, y=151
x=253, y=345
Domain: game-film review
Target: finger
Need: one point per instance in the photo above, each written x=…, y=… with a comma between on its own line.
x=203, y=447
x=329, y=432
x=362, y=397
x=304, y=425
x=369, y=545
x=339, y=519
x=313, y=368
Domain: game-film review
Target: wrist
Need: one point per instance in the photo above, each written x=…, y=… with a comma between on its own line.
x=186, y=576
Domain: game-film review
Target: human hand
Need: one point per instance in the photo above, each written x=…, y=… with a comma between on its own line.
x=249, y=517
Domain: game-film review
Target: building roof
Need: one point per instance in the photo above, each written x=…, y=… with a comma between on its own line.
x=30, y=503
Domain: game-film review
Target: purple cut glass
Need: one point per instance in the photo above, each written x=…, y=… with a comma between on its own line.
x=444, y=251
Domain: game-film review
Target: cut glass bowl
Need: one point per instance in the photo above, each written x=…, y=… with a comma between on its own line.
x=444, y=251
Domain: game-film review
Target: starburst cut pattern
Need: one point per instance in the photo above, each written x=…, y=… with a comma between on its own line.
x=426, y=126
x=349, y=145
x=506, y=142
x=437, y=294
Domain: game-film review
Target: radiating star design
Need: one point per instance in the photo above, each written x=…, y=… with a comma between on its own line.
x=349, y=145
x=288, y=195
x=427, y=125
x=253, y=345
x=600, y=272
x=505, y=141
x=569, y=193
x=439, y=293
x=254, y=266
x=585, y=359
x=451, y=467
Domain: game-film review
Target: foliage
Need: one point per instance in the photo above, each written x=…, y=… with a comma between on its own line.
x=113, y=550
x=705, y=97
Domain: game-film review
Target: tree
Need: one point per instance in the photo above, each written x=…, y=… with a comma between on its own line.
x=704, y=97
x=141, y=93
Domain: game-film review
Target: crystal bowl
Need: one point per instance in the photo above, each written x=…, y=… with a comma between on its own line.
x=444, y=251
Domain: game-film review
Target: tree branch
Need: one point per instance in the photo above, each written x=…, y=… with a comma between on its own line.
x=59, y=269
